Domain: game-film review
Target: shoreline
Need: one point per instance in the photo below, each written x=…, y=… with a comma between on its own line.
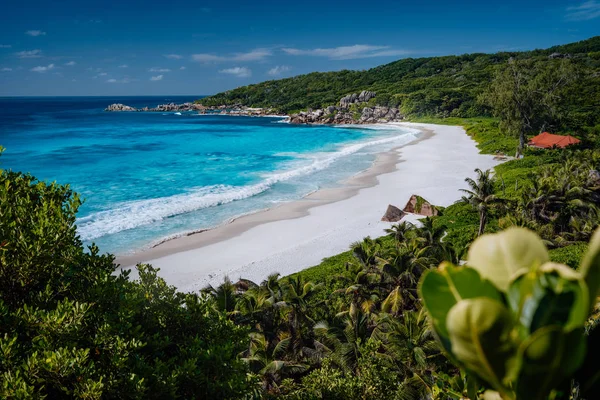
x=298, y=235
x=384, y=162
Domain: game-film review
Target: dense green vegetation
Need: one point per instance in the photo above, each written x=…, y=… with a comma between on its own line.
x=352, y=327
x=510, y=317
x=71, y=328
x=355, y=326
x=443, y=87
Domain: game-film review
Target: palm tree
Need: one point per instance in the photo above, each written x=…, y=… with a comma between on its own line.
x=409, y=342
x=394, y=303
x=431, y=235
x=362, y=285
x=297, y=295
x=559, y=194
x=225, y=295
x=580, y=231
x=367, y=251
x=256, y=308
x=269, y=363
x=481, y=196
x=403, y=267
x=343, y=336
x=400, y=231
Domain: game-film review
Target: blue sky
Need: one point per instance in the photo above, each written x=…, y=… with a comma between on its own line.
x=194, y=47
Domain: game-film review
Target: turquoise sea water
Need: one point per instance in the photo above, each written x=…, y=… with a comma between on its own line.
x=147, y=176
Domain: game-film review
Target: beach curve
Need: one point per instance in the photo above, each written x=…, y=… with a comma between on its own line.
x=299, y=234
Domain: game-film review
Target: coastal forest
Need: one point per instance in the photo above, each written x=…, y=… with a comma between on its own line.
x=442, y=87
x=493, y=298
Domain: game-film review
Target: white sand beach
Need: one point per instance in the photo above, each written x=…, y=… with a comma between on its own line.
x=297, y=235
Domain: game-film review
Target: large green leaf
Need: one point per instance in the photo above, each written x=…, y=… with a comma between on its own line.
x=554, y=294
x=501, y=256
x=441, y=289
x=590, y=268
x=480, y=332
x=548, y=357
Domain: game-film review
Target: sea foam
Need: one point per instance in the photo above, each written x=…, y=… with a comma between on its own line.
x=133, y=214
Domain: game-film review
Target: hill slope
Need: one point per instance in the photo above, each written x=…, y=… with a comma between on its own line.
x=437, y=86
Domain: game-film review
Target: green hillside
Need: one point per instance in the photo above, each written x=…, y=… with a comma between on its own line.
x=433, y=86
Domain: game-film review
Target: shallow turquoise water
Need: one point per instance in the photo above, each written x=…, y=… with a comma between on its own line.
x=147, y=176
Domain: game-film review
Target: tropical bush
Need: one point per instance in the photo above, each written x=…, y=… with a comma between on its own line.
x=74, y=326
x=511, y=317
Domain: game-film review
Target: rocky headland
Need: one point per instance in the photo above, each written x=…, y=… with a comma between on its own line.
x=158, y=108
x=186, y=107
x=354, y=108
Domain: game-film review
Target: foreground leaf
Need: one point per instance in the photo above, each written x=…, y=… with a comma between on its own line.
x=501, y=256
x=590, y=268
x=441, y=289
x=548, y=357
x=480, y=332
x=552, y=295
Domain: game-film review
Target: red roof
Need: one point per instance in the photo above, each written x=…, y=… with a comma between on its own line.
x=547, y=140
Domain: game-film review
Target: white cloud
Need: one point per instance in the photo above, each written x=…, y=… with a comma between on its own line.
x=5, y=46
x=278, y=70
x=348, y=52
x=254, y=55
x=35, y=33
x=42, y=68
x=156, y=69
x=29, y=53
x=207, y=58
x=240, y=72
x=124, y=66
x=174, y=56
x=70, y=63
x=584, y=12
x=102, y=74
x=112, y=80
x=5, y=69
x=182, y=68
x=156, y=78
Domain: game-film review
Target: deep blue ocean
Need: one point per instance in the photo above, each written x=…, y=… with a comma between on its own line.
x=148, y=176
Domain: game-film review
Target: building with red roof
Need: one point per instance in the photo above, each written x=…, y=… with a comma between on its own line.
x=547, y=140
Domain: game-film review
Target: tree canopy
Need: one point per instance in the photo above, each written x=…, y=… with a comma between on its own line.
x=71, y=326
x=447, y=86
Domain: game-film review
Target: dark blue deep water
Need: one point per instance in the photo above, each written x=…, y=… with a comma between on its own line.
x=147, y=176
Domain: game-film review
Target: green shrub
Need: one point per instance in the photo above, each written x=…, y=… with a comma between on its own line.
x=71, y=326
x=511, y=317
x=570, y=255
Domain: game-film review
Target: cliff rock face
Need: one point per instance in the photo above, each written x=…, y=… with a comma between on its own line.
x=338, y=115
x=342, y=115
x=362, y=97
